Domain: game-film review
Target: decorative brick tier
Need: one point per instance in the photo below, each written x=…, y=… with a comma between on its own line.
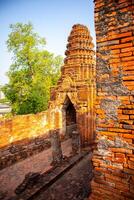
x=113, y=159
x=76, y=86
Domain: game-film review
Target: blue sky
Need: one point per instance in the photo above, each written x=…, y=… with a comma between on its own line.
x=51, y=19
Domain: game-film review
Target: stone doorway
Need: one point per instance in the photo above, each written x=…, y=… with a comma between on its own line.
x=69, y=117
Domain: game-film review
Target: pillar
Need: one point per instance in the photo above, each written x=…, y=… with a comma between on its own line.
x=56, y=146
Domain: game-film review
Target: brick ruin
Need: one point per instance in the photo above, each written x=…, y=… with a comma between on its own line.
x=78, y=96
x=70, y=106
x=72, y=100
x=113, y=159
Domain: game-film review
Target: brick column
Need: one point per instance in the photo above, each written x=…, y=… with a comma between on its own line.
x=113, y=159
x=76, y=142
x=56, y=146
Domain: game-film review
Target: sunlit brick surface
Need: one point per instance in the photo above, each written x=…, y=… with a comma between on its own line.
x=113, y=159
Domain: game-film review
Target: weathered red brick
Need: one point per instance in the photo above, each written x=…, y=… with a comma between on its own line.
x=127, y=49
x=121, y=150
x=120, y=46
x=126, y=54
x=119, y=59
x=127, y=58
x=130, y=112
x=131, y=164
x=128, y=136
x=127, y=39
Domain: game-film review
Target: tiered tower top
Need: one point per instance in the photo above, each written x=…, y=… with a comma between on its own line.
x=80, y=46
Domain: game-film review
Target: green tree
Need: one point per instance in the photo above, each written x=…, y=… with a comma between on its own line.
x=33, y=72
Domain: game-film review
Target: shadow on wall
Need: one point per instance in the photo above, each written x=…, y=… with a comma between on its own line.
x=23, y=136
x=22, y=149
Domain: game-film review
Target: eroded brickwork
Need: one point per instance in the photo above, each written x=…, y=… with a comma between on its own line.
x=23, y=136
x=70, y=106
x=113, y=159
x=76, y=86
x=23, y=127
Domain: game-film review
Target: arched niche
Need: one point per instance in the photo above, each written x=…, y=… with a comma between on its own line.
x=69, y=119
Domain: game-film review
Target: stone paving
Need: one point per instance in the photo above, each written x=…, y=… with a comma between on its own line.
x=73, y=185
x=12, y=176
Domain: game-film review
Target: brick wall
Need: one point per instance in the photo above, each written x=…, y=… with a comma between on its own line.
x=23, y=127
x=23, y=136
x=113, y=159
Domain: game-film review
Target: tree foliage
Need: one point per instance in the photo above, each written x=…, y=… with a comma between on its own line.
x=33, y=71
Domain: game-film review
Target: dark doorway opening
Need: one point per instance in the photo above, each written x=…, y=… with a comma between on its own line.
x=70, y=114
x=69, y=117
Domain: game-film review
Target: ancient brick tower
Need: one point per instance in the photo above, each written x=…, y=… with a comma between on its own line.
x=113, y=158
x=71, y=102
